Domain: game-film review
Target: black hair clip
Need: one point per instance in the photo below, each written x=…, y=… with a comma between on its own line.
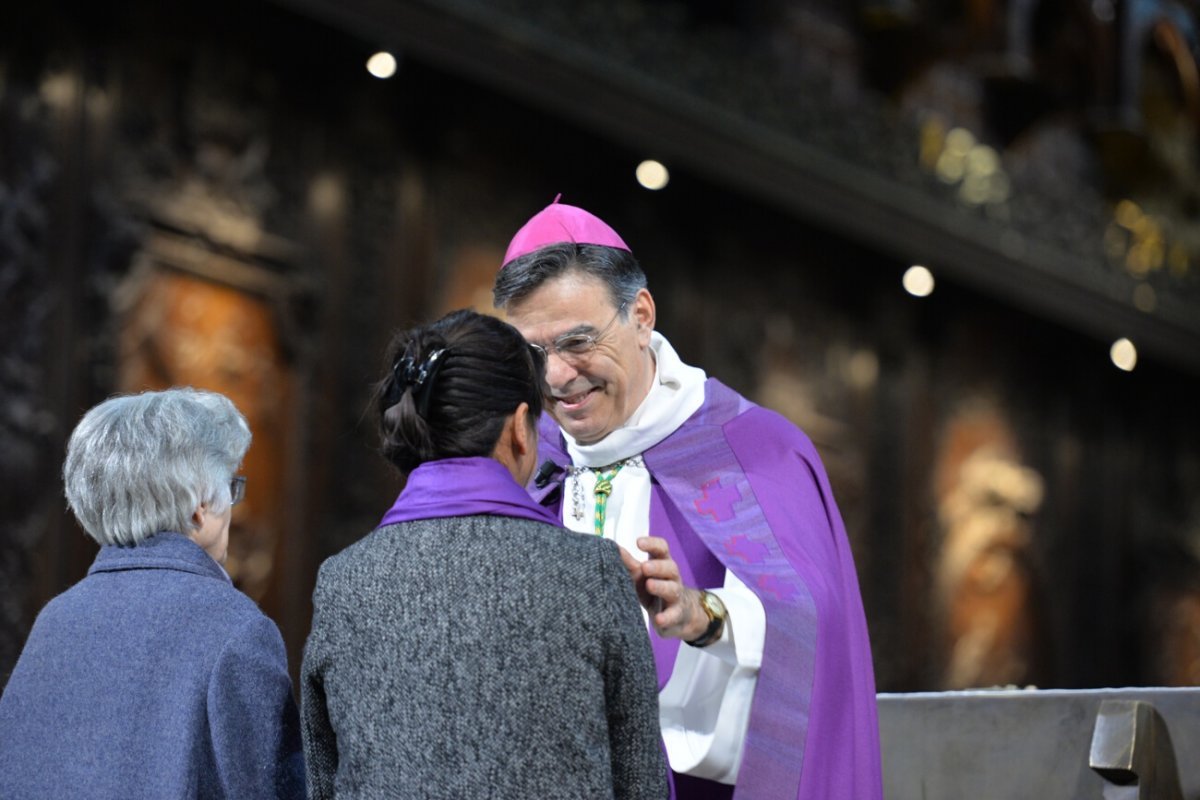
x=408, y=374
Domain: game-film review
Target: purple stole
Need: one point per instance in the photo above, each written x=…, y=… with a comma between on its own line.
x=464, y=487
x=711, y=494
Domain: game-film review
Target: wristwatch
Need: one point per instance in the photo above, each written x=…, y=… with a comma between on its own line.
x=715, y=609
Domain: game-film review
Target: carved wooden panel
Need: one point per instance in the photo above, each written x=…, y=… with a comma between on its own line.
x=180, y=329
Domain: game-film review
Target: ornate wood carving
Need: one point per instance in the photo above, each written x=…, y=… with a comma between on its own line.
x=188, y=317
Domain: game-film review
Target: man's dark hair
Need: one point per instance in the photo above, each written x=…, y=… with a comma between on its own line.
x=449, y=386
x=617, y=268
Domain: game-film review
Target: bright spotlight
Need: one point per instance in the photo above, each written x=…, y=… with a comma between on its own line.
x=918, y=281
x=382, y=64
x=1123, y=354
x=652, y=175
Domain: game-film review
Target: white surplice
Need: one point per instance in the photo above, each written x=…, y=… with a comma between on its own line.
x=705, y=707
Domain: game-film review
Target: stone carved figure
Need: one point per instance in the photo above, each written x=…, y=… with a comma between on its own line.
x=984, y=582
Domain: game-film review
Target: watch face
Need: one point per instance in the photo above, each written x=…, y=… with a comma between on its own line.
x=712, y=605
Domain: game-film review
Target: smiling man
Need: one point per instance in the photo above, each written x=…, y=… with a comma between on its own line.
x=726, y=522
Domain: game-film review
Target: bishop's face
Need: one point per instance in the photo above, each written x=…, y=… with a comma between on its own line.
x=590, y=391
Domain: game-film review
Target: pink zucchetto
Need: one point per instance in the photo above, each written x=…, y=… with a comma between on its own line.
x=558, y=223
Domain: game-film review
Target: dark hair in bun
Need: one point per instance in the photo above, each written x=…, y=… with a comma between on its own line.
x=450, y=385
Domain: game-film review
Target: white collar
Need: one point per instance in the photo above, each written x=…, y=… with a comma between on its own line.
x=676, y=393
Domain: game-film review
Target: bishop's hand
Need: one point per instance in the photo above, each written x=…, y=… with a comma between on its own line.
x=674, y=609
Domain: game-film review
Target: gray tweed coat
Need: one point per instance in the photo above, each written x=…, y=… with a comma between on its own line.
x=479, y=657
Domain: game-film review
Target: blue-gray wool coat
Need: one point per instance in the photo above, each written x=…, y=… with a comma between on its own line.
x=153, y=677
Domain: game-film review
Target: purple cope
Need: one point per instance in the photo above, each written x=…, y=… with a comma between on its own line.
x=738, y=487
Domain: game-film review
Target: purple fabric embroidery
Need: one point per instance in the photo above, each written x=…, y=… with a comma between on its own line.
x=774, y=748
x=717, y=501
x=783, y=589
x=741, y=546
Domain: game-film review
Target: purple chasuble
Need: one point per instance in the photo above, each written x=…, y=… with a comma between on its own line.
x=464, y=487
x=739, y=487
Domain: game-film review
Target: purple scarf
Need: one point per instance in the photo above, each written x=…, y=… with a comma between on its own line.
x=464, y=487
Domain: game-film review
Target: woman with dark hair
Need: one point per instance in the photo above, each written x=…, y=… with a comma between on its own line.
x=468, y=646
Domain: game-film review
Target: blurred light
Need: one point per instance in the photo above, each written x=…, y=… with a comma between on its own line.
x=918, y=281
x=950, y=166
x=1144, y=298
x=1145, y=227
x=1104, y=10
x=326, y=195
x=982, y=160
x=959, y=141
x=862, y=369
x=1123, y=354
x=652, y=175
x=59, y=89
x=975, y=189
x=1136, y=262
x=1144, y=257
x=382, y=64
x=1128, y=213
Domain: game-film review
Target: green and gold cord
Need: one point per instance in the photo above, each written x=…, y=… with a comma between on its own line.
x=602, y=491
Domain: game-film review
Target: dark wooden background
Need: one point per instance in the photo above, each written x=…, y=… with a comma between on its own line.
x=218, y=194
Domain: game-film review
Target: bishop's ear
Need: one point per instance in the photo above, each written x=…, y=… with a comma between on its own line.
x=644, y=313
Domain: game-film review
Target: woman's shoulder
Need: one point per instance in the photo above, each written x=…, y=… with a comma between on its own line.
x=199, y=612
x=223, y=600
x=498, y=539
x=548, y=535
x=566, y=550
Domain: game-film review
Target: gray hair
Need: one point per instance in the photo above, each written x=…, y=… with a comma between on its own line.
x=140, y=464
x=617, y=268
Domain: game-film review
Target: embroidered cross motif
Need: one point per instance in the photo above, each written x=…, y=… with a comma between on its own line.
x=743, y=547
x=782, y=588
x=718, y=500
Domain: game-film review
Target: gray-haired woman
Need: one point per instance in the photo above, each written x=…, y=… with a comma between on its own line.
x=153, y=677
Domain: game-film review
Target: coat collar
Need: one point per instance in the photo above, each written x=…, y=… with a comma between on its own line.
x=161, y=551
